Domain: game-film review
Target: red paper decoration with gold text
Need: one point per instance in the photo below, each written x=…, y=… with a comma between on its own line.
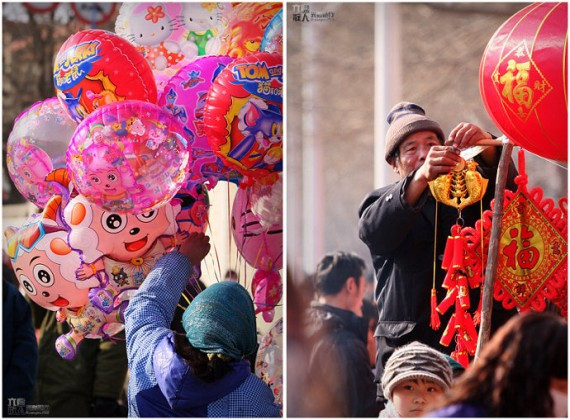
x=523, y=81
x=533, y=252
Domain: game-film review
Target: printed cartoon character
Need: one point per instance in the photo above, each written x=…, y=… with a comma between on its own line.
x=76, y=110
x=262, y=126
x=122, y=248
x=45, y=267
x=105, y=93
x=135, y=127
x=28, y=165
x=193, y=216
x=151, y=28
x=248, y=25
x=109, y=180
x=203, y=22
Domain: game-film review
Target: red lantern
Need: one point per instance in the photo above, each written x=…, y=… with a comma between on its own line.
x=94, y=68
x=523, y=82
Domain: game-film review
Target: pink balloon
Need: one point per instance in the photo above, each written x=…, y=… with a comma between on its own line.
x=184, y=96
x=262, y=247
x=267, y=290
x=129, y=156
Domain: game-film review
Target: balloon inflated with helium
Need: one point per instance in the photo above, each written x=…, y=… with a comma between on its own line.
x=261, y=247
x=243, y=114
x=94, y=68
x=193, y=216
x=184, y=96
x=269, y=360
x=36, y=146
x=523, y=79
x=273, y=37
x=45, y=265
x=129, y=156
x=246, y=28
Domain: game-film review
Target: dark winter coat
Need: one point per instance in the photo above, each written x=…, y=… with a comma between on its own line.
x=339, y=361
x=400, y=238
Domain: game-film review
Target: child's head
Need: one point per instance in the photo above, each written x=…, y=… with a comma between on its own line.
x=414, y=379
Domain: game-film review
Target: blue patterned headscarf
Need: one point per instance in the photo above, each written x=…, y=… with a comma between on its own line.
x=221, y=320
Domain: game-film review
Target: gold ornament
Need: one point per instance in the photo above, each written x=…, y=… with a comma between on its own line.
x=461, y=187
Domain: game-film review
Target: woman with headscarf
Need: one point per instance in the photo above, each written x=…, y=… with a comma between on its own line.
x=203, y=373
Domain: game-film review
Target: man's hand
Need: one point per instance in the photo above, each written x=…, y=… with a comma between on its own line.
x=439, y=160
x=196, y=247
x=466, y=135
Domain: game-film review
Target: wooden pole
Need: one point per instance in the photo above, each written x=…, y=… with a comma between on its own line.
x=493, y=254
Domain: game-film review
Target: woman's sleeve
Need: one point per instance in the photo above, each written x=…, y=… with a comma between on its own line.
x=150, y=311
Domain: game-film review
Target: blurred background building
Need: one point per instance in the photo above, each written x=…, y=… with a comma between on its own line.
x=347, y=65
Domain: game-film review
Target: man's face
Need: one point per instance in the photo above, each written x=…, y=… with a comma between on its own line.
x=413, y=151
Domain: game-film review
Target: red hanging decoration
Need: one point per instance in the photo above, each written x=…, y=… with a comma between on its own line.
x=532, y=260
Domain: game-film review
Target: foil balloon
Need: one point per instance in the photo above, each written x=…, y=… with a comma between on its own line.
x=267, y=202
x=45, y=266
x=193, y=216
x=247, y=25
x=243, y=115
x=523, y=79
x=185, y=98
x=129, y=156
x=273, y=37
x=120, y=249
x=267, y=290
x=36, y=146
x=261, y=247
x=94, y=68
x=269, y=360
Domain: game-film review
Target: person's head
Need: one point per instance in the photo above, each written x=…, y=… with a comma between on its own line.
x=415, y=378
x=220, y=327
x=410, y=136
x=522, y=371
x=370, y=314
x=231, y=275
x=339, y=281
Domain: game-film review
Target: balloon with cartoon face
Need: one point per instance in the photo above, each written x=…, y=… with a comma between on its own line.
x=261, y=247
x=124, y=247
x=45, y=266
x=204, y=24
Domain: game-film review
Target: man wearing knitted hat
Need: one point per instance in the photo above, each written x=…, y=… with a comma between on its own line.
x=415, y=378
x=397, y=223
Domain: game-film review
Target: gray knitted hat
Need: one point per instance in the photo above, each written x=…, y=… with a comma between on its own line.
x=407, y=118
x=415, y=361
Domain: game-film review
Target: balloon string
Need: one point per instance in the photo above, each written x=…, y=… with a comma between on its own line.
x=229, y=226
x=217, y=259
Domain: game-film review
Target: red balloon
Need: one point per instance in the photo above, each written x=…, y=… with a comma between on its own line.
x=523, y=82
x=94, y=68
x=243, y=115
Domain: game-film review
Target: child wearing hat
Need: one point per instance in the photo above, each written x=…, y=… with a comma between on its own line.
x=414, y=379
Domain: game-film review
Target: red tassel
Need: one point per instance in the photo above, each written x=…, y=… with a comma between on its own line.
x=447, y=253
x=447, y=301
x=449, y=332
x=463, y=293
x=434, y=319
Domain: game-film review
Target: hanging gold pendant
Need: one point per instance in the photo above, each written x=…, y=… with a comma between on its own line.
x=461, y=187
